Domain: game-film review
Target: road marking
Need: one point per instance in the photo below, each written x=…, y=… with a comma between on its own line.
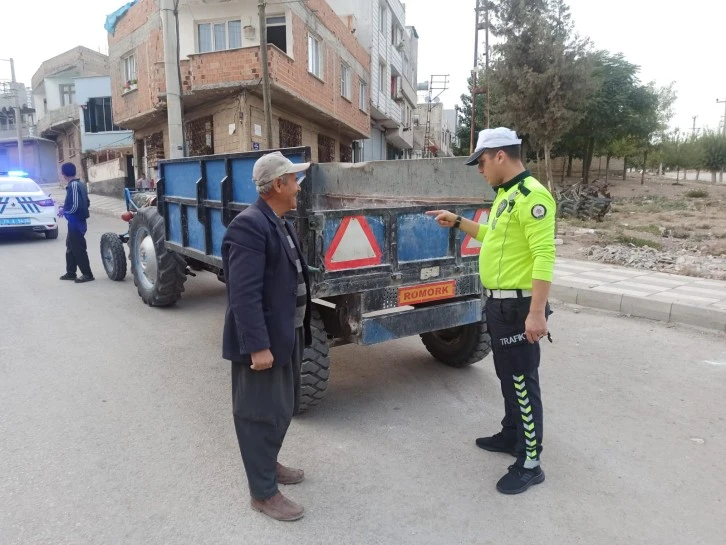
x=717, y=363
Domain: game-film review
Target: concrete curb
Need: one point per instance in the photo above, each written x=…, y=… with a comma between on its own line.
x=643, y=307
x=107, y=212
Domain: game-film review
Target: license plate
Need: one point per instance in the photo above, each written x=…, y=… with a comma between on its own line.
x=15, y=221
x=424, y=293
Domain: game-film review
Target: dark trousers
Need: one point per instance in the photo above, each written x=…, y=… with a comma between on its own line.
x=77, y=253
x=263, y=403
x=517, y=363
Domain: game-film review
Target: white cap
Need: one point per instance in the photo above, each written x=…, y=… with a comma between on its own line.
x=500, y=137
x=274, y=165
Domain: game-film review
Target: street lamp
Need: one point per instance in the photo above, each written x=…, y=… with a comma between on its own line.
x=18, y=124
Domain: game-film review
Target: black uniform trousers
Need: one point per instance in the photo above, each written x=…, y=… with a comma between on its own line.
x=517, y=362
x=77, y=253
x=263, y=404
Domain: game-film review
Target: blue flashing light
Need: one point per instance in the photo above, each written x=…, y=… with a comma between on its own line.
x=18, y=173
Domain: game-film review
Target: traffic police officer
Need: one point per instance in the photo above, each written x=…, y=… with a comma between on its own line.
x=516, y=265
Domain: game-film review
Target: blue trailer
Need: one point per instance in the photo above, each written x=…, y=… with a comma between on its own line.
x=380, y=268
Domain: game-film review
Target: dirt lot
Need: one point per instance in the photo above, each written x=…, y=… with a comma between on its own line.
x=660, y=225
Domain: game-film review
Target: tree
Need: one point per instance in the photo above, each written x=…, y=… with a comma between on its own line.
x=603, y=122
x=692, y=156
x=541, y=73
x=714, y=153
x=497, y=118
x=464, y=120
x=655, y=107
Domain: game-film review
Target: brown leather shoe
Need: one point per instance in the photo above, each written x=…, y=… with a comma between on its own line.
x=279, y=507
x=288, y=475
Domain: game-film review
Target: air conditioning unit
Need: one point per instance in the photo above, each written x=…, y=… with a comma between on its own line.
x=400, y=46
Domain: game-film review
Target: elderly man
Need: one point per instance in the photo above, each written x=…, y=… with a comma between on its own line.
x=266, y=325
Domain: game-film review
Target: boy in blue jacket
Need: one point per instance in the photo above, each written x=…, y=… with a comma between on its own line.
x=75, y=210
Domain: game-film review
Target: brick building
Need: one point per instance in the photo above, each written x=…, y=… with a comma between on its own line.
x=316, y=68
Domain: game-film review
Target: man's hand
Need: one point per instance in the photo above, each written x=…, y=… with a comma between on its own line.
x=61, y=212
x=262, y=360
x=443, y=217
x=535, y=326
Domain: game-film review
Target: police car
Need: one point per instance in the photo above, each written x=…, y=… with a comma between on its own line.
x=24, y=206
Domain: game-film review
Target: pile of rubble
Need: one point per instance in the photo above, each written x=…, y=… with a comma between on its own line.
x=689, y=262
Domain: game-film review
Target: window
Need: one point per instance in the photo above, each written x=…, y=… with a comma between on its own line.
x=346, y=153
x=200, y=136
x=346, y=89
x=61, y=154
x=129, y=66
x=290, y=134
x=67, y=94
x=97, y=116
x=382, y=77
x=219, y=36
x=396, y=35
x=326, y=149
x=382, y=18
x=394, y=87
x=363, y=95
x=154, y=149
x=315, y=56
x=277, y=32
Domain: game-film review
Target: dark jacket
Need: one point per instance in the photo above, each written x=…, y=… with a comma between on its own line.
x=261, y=278
x=77, y=204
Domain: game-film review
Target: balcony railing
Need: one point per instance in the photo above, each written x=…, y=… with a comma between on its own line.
x=59, y=117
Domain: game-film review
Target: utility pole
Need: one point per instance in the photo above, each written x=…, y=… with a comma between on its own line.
x=481, y=6
x=18, y=121
x=173, y=85
x=693, y=133
x=266, y=98
x=438, y=83
x=472, y=136
x=486, y=45
x=718, y=101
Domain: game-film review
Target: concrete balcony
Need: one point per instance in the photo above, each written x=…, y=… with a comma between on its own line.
x=58, y=119
x=12, y=134
x=401, y=137
x=207, y=77
x=409, y=92
x=399, y=12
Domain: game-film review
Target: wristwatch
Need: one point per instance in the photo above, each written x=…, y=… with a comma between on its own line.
x=457, y=223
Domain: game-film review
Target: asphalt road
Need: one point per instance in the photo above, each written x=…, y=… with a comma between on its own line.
x=116, y=428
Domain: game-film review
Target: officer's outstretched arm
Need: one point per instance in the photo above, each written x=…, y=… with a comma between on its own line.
x=448, y=219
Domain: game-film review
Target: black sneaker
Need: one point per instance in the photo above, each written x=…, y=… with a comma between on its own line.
x=68, y=277
x=497, y=443
x=519, y=479
x=83, y=279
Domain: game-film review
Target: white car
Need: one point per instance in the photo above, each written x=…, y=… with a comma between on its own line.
x=24, y=206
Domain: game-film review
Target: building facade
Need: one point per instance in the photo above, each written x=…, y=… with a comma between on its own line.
x=380, y=26
x=72, y=99
x=433, y=134
x=38, y=155
x=317, y=74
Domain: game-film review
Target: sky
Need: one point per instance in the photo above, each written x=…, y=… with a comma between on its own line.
x=685, y=44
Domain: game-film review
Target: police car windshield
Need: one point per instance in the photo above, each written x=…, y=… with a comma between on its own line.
x=18, y=186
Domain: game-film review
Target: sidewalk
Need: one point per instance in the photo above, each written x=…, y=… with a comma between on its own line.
x=104, y=206
x=634, y=292
x=646, y=294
